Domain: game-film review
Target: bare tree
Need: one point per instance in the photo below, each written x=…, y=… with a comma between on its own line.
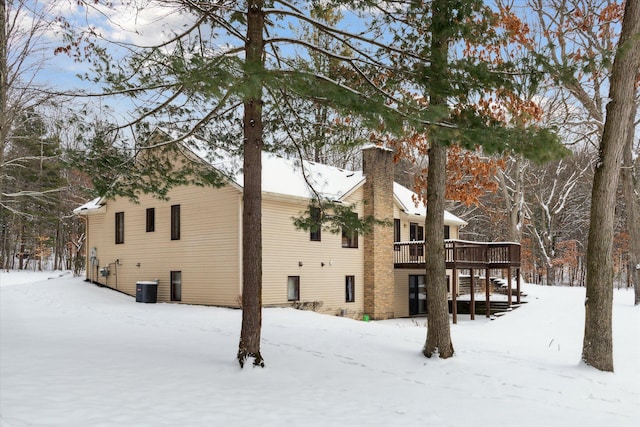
x=24, y=49
x=597, y=350
x=631, y=189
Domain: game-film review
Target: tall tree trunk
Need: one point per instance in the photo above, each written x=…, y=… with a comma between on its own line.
x=632, y=209
x=249, y=346
x=23, y=230
x=551, y=275
x=4, y=132
x=438, y=331
x=597, y=348
x=514, y=200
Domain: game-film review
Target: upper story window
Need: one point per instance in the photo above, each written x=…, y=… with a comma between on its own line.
x=315, y=233
x=447, y=232
x=151, y=219
x=119, y=228
x=416, y=231
x=349, y=238
x=175, y=222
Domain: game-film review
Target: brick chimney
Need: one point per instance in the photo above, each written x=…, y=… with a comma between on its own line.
x=377, y=166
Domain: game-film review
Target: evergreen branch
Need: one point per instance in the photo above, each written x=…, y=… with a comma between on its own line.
x=150, y=113
x=328, y=53
x=105, y=94
x=296, y=145
x=333, y=32
x=200, y=124
x=385, y=106
x=224, y=24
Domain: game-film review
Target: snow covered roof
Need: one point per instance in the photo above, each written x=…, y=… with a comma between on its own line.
x=89, y=206
x=407, y=200
x=291, y=177
x=294, y=178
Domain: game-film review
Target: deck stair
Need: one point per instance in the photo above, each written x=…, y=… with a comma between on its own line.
x=499, y=286
x=496, y=308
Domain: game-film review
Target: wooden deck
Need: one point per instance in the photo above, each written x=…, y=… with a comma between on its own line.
x=460, y=254
x=466, y=255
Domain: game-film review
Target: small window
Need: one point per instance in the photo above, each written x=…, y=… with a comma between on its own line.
x=315, y=233
x=447, y=232
x=119, y=228
x=349, y=238
x=293, y=288
x=396, y=233
x=350, y=288
x=175, y=222
x=396, y=230
x=176, y=286
x=416, y=233
x=151, y=220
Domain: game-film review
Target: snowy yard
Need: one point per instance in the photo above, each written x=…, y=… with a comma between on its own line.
x=73, y=354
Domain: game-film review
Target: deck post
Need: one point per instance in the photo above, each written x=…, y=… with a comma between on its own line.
x=472, y=307
x=518, y=285
x=509, y=299
x=488, y=300
x=454, y=299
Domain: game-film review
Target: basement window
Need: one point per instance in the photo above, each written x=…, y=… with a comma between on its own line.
x=293, y=288
x=350, y=288
x=176, y=286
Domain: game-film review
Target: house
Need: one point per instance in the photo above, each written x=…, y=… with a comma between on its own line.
x=191, y=243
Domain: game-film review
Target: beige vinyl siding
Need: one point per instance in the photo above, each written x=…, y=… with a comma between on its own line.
x=285, y=248
x=95, y=233
x=206, y=253
x=401, y=291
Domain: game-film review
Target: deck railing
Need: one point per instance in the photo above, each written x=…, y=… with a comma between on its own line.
x=461, y=254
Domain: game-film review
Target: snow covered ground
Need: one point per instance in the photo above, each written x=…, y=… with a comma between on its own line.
x=73, y=354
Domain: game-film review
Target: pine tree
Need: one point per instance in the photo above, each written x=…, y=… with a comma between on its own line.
x=222, y=80
x=457, y=93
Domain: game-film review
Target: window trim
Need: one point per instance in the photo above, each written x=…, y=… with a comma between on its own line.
x=151, y=220
x=175, y=222
x=296, y=282
x=119, y=228
x=349, y=288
